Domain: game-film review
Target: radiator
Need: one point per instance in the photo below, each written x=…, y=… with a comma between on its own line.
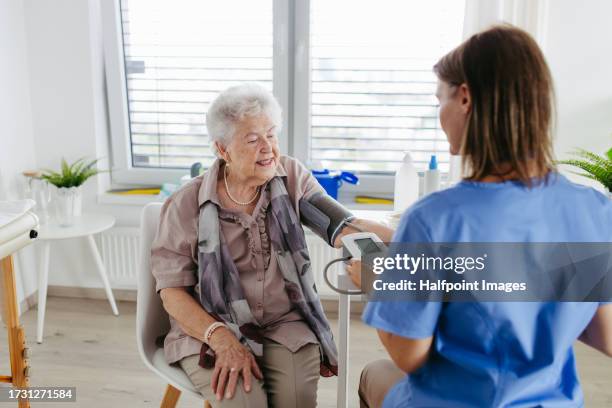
x=119, y=248
x=320, y=255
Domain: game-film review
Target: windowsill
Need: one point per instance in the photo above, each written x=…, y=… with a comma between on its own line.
x=132, y=199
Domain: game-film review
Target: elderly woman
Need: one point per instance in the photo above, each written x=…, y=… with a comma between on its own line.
x=232, y=266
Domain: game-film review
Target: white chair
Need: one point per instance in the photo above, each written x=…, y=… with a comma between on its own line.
x=152, y=319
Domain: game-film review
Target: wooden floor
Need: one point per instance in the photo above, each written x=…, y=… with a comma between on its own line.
x=86, y=347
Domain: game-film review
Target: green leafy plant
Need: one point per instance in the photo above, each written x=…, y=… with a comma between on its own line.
x=594, y=166
x=72, y=175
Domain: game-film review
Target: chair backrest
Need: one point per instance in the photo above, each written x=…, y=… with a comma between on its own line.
x=151, y=317
x=152, y=320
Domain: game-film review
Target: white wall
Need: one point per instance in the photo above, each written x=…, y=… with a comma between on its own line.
x=17, y=145
x=68, y=101
x=579, y=51
x=69, y=114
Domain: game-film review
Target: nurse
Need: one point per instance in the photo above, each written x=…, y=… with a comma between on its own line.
x=496, y=104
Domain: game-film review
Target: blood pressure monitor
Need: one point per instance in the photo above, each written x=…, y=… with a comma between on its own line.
x=360, y=244
x=356, y=246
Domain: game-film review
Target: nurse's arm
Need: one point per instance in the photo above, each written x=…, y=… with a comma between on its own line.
x=384, y=233
x=408, y=354
x=598, y=334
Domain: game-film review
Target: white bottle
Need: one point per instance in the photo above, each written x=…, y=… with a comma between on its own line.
x=431, y=182
x=406, y=185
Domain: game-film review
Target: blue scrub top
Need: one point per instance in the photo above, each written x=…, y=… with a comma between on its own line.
x=496, y=354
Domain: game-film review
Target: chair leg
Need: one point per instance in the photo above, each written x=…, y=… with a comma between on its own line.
x=170, y=397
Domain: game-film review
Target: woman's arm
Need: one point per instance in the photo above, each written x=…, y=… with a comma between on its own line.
x=189, y=314
x=232, y=358
x=598, y=334
x=408, y=354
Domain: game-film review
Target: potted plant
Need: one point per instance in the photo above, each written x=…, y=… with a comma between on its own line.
x=594, y=166
x=69, y=192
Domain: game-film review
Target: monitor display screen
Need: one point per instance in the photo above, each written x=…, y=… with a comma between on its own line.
x=367, y=245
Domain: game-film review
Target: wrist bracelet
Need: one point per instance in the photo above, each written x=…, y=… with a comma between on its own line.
x=211, y=329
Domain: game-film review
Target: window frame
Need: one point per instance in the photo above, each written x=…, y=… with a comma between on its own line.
x=122, y=170
x=291, y=86
x=369, y=183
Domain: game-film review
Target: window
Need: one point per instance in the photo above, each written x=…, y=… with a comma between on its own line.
x=178, y=57
x=372, y=85
x=354, y=78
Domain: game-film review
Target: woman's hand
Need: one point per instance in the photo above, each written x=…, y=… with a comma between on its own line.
x=232, y=359
x=353, y=268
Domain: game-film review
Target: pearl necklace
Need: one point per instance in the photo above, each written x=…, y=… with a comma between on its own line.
x=230, y=196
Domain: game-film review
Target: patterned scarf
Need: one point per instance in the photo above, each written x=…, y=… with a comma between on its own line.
x=221, y=293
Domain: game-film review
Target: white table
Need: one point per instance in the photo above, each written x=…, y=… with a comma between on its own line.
x=86, y=226
x=344, y=312
x=344, y=325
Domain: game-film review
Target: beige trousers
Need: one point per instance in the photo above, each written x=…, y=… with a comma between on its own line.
x=376, y=380
x=290, y=379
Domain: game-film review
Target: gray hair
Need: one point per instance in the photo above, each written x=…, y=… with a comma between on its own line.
x=233, y=105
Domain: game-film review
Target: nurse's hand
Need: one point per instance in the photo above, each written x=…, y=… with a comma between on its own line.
x=353, y=268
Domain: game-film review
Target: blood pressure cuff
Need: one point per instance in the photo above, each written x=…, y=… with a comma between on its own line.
x=324, y=216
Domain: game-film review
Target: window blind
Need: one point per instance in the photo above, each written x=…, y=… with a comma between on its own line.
x=178, y=56
x=372, y=85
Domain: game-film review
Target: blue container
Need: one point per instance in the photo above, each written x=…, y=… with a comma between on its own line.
x=332, y=180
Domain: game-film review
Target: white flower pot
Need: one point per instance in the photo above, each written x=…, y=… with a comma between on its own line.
x=68, y=205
